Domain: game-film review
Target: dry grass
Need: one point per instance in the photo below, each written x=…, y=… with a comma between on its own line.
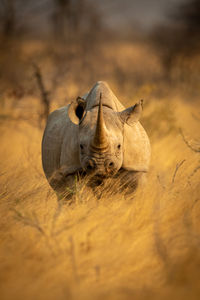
x=145, y=246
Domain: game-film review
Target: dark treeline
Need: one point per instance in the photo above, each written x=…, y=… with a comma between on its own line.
x=61, y=18
x=65, y=31
x=64, y=40
x=180, y=39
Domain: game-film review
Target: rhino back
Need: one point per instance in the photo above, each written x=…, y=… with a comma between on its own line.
x=58, y=143
x=107, y=97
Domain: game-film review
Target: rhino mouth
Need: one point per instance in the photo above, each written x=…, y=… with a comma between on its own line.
x=94, y=179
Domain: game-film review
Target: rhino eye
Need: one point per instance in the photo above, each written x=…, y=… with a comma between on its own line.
x=81, y=146
x=119, y=146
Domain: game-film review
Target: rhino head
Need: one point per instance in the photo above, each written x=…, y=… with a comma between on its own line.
x=101, y=134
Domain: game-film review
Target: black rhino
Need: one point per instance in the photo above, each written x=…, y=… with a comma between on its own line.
x=95, y=135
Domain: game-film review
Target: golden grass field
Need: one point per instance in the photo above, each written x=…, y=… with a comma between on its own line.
x=143, y=246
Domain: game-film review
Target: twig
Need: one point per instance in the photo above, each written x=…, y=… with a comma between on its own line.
x=158, y=178
x=187, y=143
x=69, y=226
x=160, y=246
x=176, y=170
x=44, y=93
x=73, y=259
x=195, y=117
x=193, y=173
x=29, y=222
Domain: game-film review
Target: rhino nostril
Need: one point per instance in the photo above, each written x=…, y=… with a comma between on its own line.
x=109, y=164
x=90, y=165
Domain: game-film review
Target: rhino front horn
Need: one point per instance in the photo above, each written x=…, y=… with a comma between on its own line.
x=100, y=143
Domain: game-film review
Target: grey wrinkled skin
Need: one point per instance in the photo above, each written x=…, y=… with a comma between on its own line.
x=96, y=137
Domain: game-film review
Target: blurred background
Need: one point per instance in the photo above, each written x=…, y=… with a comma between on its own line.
x=142, y=247
x=53, y=50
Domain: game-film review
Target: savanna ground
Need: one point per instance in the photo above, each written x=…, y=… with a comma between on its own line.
x=143, y=246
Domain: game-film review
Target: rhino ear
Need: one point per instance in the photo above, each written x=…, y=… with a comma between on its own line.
x=76, y=110
x=132, y=114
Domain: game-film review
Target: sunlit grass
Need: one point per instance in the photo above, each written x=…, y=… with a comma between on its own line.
x=142, y=246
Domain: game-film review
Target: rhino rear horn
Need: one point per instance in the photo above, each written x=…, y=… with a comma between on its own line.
x=132, y=114
x=76, y=110
x=100, y=143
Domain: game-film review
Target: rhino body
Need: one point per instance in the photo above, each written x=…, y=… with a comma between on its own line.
x=95, y=135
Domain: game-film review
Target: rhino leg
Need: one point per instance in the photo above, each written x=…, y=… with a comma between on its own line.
x=130, y=180
x=124, y=181
x=64, y=185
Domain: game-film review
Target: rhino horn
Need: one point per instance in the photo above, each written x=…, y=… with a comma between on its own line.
x=100, y=142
